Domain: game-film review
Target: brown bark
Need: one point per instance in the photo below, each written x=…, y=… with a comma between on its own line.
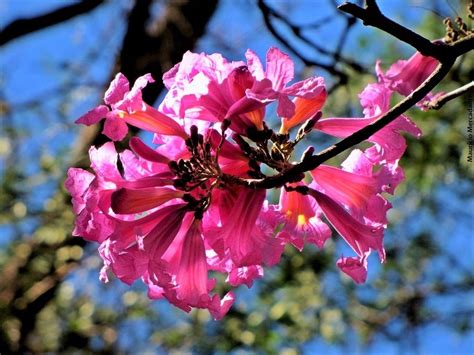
x=146, y=48
x=25, y=26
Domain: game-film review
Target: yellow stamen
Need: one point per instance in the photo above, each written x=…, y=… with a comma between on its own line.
x=301, y=220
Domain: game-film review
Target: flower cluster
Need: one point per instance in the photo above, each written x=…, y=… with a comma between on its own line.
x=175, y=214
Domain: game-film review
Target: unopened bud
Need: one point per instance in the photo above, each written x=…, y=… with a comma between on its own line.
x=309, y=125
x=277, y=155
x=225, y=124
x=194, y=135
x=173, y=165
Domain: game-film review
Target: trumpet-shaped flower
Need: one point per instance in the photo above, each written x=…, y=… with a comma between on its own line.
x=389, y=143
x=124, y=105
x=404, y=76
x=238, y=233
x=171, y=214
x=280, y=71
x=301, y=220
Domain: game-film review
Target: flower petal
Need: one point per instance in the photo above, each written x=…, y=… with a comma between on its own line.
x=191, y=275
x=280, y=68
x=114, y=127
x=153, y=120
x=144, y=151
x=255, y=65
x=304, y=110
x=355, y=268
x=129, y=201
x=93, y=116
x=117, y=89
x=133, y=99
x=347, y=188
x=360, y=237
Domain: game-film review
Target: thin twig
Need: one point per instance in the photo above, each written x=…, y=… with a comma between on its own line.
x=298, y=33
x=447, y=59
x=313, y=162
x=24, y=26
x=372, y=16
x=441, y=100
x=267, y=13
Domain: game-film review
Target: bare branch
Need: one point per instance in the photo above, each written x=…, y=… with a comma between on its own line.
x=441, y=100
x=297, y=32
x=22, y=27
x=142, y=51
x=371, y=16
x=447, y=59
x=267, y=12
x=293, y=174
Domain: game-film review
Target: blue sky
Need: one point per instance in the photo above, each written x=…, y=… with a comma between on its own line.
x=40, y=64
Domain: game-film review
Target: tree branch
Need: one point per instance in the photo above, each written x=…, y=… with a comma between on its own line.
x=267, y=12
x=296, y=30
x=294, y=173
x=447, y=59
x=372, y=16
x=178, y=29
x=22, y=27
x=441, y=100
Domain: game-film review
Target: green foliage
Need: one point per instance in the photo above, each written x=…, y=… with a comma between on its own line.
x=303, y=299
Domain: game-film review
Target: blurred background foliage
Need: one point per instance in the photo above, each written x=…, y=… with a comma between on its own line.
x=421, y=300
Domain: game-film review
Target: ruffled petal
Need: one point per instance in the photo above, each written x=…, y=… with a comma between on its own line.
x=361, y=237
x=115, y=127
x=280, y=68
x=133, y=99
x=93, y=116
x=354, y=267
x=117, y=89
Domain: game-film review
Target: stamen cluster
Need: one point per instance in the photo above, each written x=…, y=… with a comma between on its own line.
x=194, y=204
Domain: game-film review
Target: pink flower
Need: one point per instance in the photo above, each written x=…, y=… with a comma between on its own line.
x=91, y=194
x=205, y=87
x=389, y=143
x=137, y=245
x=247, y=238
x=404, y=76
x=352, y=190
x=210, y=88
x=170, y=214
x=301, y=218
x=280, y=71
x=191, y=276
x=361, y=237
x=354, y=267
x=126, y=106
x=350, y=200
x=191, y=76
